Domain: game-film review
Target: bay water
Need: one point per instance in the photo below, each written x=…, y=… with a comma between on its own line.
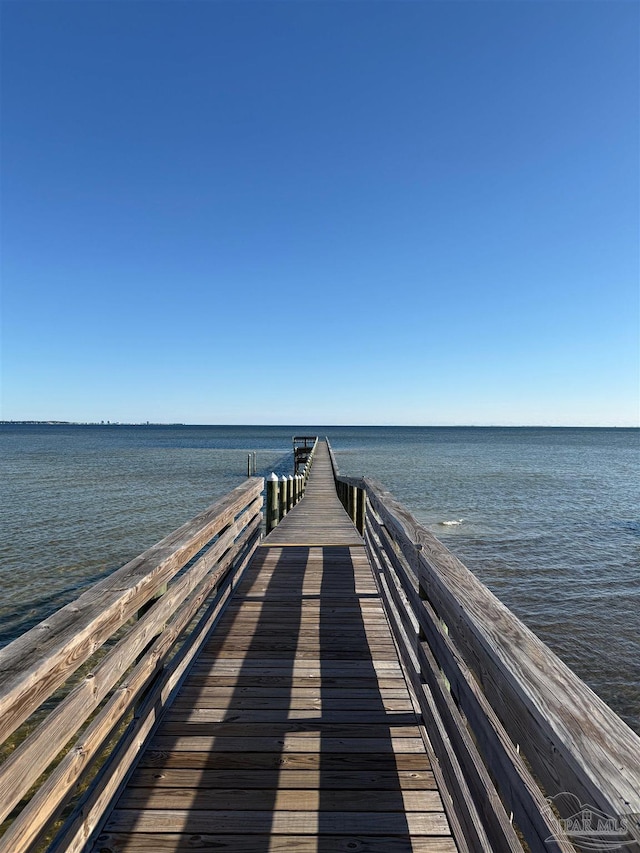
x=547, y=518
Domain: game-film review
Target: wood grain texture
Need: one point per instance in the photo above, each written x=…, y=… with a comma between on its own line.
x=333, y=780
x=120, y=842
x=279, y=822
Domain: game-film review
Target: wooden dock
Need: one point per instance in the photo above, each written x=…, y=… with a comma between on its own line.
x=344, y=684
x=295, y=729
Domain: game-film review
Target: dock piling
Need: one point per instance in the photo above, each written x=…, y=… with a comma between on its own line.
x=273, y=501
x=290, y=501
x=283, y=496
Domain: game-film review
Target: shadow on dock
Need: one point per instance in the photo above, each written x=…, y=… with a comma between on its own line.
x=281, y=737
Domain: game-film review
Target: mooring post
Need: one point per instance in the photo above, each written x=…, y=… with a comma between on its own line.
x=290, y=500
x=362, y=502
x=283, y=496
x=249, y=465
x=273, y=512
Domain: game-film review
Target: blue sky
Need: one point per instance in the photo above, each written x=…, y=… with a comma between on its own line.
x=336, y=212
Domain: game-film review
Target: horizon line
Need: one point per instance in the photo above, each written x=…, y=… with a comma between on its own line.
x=297, y=425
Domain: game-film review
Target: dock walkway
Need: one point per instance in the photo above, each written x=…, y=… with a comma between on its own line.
x=294, y=729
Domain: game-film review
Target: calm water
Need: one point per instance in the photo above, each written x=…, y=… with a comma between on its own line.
x=547, y=518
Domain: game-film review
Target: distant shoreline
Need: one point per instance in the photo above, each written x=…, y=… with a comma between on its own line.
x=86, y=423
x=298, y=426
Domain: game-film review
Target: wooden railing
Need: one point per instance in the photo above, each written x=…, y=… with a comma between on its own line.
x=522, y=744
x=150, y=618
x=306, y=468
x=303, y=448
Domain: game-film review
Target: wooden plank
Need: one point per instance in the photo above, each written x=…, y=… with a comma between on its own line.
x=183, y=708
x=116, y=842
x=281, y=799
x=287, y=728
x=305, y=650
x=301, y=668
x=287, y=743
x=332, y=780
x=274, y=760
x=277, y=822
x=325, y=691
x=322, y=682
x=287, y=649
x=372, y=715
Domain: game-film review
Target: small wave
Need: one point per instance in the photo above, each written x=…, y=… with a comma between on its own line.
x=452, y=523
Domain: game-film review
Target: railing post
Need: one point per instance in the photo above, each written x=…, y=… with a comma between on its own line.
x=273, y=511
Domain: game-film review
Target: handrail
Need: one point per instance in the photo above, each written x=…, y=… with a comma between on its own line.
x=197, y=565
x=516, y=732
x=304, y=447
x=350, y=491
x=307, y=465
